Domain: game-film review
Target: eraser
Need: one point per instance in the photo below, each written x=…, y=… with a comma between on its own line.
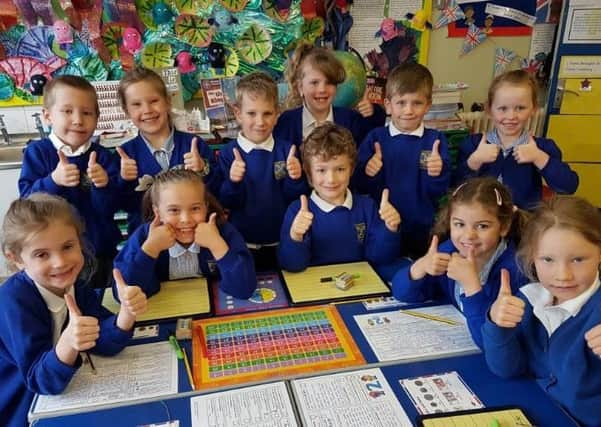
x=183, y=329
x=344, y=281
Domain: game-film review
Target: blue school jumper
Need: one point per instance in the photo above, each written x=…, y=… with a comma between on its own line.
x=524, y=180
x=442, y=288
x=289, y=126
x=562, y=364
x=28, y=361
x=236, y=269
x=257, y=204
x=95, y=205
x=413, y=192
x=137, y=149
x=341, y=235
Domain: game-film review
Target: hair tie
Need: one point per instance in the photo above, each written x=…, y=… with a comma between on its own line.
x=499, y=199
x=144, y=183
x=457, y=189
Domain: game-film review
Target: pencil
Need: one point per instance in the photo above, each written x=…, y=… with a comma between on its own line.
x=429, y=317
x=88, y=358
x=188, y=370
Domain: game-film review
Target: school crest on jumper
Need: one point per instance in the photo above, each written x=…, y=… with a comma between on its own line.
x=279, y=169
x=207, y=168
x=360, y=230
x=212, y=265
x=85, y=183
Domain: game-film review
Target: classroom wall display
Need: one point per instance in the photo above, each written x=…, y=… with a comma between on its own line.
x=101, y=40
x=495, y=17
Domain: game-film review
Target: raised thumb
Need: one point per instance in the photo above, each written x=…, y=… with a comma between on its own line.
x=194, y=146
x=435, y=148
x=122, y=153
x=61, y=157
x=72, y=305
x=292, y=152
x=378, y=150
x=213, y=218
x=505, y=288
x=119, y=281
x=304, y=203
x=384, y=200
x=237, y=155
x=433, y=245
x=92, y=159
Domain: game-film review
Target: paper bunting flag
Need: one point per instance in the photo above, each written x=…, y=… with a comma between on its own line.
x=531, y=66
x=449, y=14
x=503, y=57
x=472, y=39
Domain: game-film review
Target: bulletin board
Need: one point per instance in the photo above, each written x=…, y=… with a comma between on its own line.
x=500, y=26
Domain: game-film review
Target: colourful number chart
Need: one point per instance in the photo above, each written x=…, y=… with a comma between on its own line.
x=256, y=346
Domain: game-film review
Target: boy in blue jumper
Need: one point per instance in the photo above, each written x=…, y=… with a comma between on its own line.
x=336, y=226
x=548, y=330
x=262, y=174
x=411, y=161
x=158, y=146
x=508, y=152
x=69, y=164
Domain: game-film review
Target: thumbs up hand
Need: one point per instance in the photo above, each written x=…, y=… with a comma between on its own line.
x=129, y=167
x=160, y=237
x=507, y=311
x=530, y=153
x=463, y=269
x=302, y=221
x=593, y=339
x=374, y=165
x=96, y=172
x=484, y=153
x=388, y=213
x=293, y=165
x=364, y=106
x=207, y=235
x=433, y=262
x=65, y=173
x=434, y=161
x=81, y=332
x=133, y=302
x=238, y=168
x=193, y=160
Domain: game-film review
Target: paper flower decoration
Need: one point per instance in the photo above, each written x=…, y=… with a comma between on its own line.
x=254, y=45
x=20, y=69
x=193, y=30
x=157, y=55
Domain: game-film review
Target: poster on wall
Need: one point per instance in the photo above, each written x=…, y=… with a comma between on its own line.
x=496, y=17
x=583, y=22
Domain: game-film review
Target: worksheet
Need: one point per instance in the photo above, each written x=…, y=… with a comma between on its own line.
x=349, y=399
x=139, y=372
x=394, y=335
x=265, y=405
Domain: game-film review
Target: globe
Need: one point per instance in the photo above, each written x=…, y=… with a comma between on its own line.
x=350, y=91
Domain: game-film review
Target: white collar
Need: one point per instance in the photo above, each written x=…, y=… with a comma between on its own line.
x=540, y=297
x=247, y=145
x=394, y=131
x=54, y=303
x=178, y=249
x=327, y=206
x=66, y=149
x=310, y=120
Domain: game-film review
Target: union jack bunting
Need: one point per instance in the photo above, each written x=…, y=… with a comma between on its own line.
x=503, y=57
x=449, y=14
x=543, y=10
x=473, y=38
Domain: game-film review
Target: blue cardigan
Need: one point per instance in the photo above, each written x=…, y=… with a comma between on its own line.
x=236, y=269
x=524, y=180
x=137, y=149
x=28, y=361
x=341, y=235
x=442, y=288
x=563, y=364
x=413, y=192
x=95, y=205
x=257, y=204
x=289, y=126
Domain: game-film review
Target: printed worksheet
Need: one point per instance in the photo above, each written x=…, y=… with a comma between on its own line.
x=265, y=405
x=349, y=399
x=139, y=372
x=394, y=335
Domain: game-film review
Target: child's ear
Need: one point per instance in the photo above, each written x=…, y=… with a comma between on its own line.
x=237, y=112
x=387, y=106
x=505, y=229
x=428, y=106
x=14, y=259
x=155, y=211
x=46, y=116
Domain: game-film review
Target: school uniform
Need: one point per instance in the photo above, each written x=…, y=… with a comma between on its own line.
x=151, y=161
x=95, y=205
x=294, y=125
x=413, y=192
x=350, y=232
x=549, y=345
x=235, y=270
x=444, y=289
x=28, y=361
x=257, y=203
x=524, y=180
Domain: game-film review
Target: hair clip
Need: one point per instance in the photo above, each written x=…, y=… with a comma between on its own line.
x=499, y=199
x=457, y=189
x=144, y=183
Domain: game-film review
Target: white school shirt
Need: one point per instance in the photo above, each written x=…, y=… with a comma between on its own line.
x=247, y=145
x=183, y=262
x=327, y=206
x=394, y=131
x=66, y=149
x=57, y=308
x=310, y=122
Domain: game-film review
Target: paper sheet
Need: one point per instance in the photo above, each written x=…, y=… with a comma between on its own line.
x=507, y=417
x=583, y=22
x=177, y=298
x=437, y=393
x=357, y=398
x=396, y=336
x=139, y=372
x=265, y=405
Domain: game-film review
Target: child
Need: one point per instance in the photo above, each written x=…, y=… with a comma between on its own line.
x=48, y=314
x=262, y=175
x=69, y=164
x=336, y=226
x=158, y=146
x=465, y=270
x=508, y=152
x=187, y=237
x=546, y=330
x=312, y=75
x=405, y=157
